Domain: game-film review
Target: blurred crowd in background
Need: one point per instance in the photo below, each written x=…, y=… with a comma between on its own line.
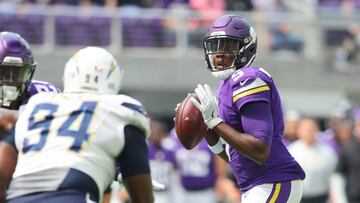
x=243, y=5
x=140, y=31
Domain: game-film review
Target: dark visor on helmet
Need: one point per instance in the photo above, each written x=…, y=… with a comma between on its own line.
x=12, y=74
x=224, y=44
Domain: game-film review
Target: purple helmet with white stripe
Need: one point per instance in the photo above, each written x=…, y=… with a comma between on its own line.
x=16, y=69
x=229, y=44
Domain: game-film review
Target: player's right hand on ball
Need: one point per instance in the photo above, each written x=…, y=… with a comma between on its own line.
x=176, y=108
x=207, y=105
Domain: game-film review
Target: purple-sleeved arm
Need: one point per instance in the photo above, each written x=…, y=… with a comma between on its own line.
x=256, y=120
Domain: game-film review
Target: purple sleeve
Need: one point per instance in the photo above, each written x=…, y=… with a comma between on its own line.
x=256, y=119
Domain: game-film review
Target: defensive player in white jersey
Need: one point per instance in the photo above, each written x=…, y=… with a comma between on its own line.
x=67, y=144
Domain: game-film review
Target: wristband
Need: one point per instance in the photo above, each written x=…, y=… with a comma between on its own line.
x=217, y=148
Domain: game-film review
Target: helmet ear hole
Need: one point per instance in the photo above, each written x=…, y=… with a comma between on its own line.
x=241, y=60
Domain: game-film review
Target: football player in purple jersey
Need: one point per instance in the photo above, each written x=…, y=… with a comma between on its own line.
x=245, y=116
x=17, y=67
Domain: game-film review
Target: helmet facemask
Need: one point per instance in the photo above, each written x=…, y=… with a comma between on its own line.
x=14, y=81
x=220, y=52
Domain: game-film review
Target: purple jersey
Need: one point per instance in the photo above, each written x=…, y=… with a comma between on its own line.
x=162, y=161
x=196, y=166
x=251, y=84
x=37, y=86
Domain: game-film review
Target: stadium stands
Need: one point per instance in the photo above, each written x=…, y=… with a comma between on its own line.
x=30, y=26
x=136, y=39
x=82, y=30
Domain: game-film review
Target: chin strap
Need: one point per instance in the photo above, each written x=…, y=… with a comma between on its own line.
x=222, y=75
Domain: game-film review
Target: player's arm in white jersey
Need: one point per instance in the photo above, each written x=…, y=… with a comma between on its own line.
x=136, y=176
x=133, y=160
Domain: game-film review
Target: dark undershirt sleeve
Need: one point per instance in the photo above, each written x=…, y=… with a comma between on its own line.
x=134, y=157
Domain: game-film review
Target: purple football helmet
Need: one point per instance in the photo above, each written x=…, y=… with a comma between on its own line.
x=16, y=69
x=229, y=44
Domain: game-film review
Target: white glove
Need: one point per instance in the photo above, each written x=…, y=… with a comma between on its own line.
x=207, y=105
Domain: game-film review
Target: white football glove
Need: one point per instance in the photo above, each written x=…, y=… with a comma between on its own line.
x=207, y=105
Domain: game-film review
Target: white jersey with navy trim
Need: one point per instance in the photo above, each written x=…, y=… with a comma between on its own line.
x=60, y=132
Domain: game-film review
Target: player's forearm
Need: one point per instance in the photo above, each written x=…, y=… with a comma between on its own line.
x=2, y=191
x=224, y=156
x=4, y=182
x=245, y=144
x=212, y=138
x=8, y=159
x=139, y=188
x=7, y=120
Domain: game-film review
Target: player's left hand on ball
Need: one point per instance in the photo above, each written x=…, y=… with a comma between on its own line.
x=177, y=107
x=178, y=104
x=207, y=105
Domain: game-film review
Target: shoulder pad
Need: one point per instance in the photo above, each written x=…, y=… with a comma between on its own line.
x=132, y=111
x=265, y=72
x=37, y=86
x=248, y=86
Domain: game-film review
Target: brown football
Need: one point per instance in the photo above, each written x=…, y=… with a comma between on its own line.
x=189, y=123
